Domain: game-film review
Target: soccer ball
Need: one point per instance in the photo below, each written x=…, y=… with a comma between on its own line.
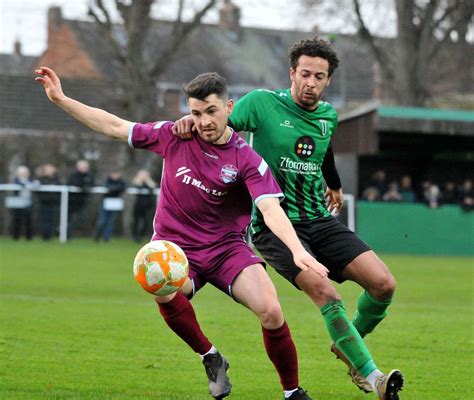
x=161, y=267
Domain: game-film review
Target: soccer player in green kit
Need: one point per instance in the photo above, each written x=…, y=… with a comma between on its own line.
x=292, y=129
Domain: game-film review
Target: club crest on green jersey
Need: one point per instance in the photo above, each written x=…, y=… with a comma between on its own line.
x=304, y=146
x=324, y=126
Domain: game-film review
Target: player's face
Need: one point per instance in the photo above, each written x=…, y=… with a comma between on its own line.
x=309, y=80
x=210, y=117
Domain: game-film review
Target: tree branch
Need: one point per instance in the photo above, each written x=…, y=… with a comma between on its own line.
x=107, y=29
x=169, y=52
x=462, y=18
x=365, y=34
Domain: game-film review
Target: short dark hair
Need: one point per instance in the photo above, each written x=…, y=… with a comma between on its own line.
x=206, y=84
x=314, y=47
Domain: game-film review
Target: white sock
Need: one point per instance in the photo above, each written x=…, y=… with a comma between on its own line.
x=213, y=350
x=372, y=378
x=288, y=393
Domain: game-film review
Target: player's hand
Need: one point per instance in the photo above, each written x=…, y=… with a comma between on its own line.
x=306, y=261
x=184, y=127
x=334, y=200
x=51, y=83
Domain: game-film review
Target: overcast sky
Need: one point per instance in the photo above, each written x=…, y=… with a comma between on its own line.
x=26, y=19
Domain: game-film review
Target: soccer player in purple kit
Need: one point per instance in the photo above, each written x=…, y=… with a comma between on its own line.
x=205, y=206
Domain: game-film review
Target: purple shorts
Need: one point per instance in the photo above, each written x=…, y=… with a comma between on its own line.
x=219, y=265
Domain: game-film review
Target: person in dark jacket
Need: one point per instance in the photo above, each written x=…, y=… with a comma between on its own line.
x=83, y=179
x=144, y=204
x=111, y=205
x=48, y=201
x=21, y=205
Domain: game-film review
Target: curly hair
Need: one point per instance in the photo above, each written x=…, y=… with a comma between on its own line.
x=314, y=47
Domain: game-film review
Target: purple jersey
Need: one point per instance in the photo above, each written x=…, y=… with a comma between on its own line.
x=206, y=190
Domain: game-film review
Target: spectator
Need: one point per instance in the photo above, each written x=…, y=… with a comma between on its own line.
x=466, y=196
x=450, y=193
x=377, y=180
x=144, y=203
x=371, y=194
x=422, y=190
x=48, y=201
x=406, y=190
x=392, y=193
x=111, y=205
x=82, y=179
x=432, y=195
x=21, y=205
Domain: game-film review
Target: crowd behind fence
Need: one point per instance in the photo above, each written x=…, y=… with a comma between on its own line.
x=12, y=201
x=9, y=190
x=403, y=190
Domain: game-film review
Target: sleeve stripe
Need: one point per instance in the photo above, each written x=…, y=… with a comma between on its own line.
x=265, y=196
x=130, y=132
x=262, y=168
x=158, y=125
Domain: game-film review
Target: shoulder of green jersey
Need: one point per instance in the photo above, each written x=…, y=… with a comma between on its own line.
x=326, y=103
x=273, y=92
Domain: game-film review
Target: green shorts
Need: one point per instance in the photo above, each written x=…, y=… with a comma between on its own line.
x=328, y=240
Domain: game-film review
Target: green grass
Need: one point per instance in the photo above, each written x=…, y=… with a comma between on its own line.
x=75, y=325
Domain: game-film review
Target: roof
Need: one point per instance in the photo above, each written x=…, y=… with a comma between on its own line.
x=415, y=120
x=16, y=64
x=255, y=57
x=419, y=113
x=435, y=121
x=23, y=104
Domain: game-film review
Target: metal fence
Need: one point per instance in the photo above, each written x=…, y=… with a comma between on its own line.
x=347, y=216
x=64, y=191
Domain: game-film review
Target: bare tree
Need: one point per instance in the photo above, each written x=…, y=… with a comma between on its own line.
x=423, y=28
x=141, y=72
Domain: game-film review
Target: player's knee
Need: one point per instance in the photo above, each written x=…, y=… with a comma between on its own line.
x=384, y=287
x=271, y=315
x=322, y=294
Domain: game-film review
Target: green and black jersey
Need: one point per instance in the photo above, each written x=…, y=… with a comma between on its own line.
x=293, y=141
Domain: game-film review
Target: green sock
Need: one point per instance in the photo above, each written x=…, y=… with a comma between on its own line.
x=346, y=337
x=369, y=313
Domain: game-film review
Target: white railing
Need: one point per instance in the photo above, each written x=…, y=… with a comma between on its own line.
x=64, y=190
x=64, y=201
x=349, y=205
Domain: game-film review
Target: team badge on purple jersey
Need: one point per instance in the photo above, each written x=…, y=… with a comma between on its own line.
x=228, y=173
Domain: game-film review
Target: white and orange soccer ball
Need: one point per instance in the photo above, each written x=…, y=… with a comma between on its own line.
x=161, y=267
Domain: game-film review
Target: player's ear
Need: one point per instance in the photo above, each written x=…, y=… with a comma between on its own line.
x=292, y=74
x=328, y=82
x=229, y=106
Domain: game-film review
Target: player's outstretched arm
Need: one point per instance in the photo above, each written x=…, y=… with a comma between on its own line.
x=276, y=219
x=95, y=118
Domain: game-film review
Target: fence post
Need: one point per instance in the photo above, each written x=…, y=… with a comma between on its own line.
x=63, y=216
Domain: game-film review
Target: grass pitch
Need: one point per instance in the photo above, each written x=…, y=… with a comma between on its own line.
x=75, y=325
